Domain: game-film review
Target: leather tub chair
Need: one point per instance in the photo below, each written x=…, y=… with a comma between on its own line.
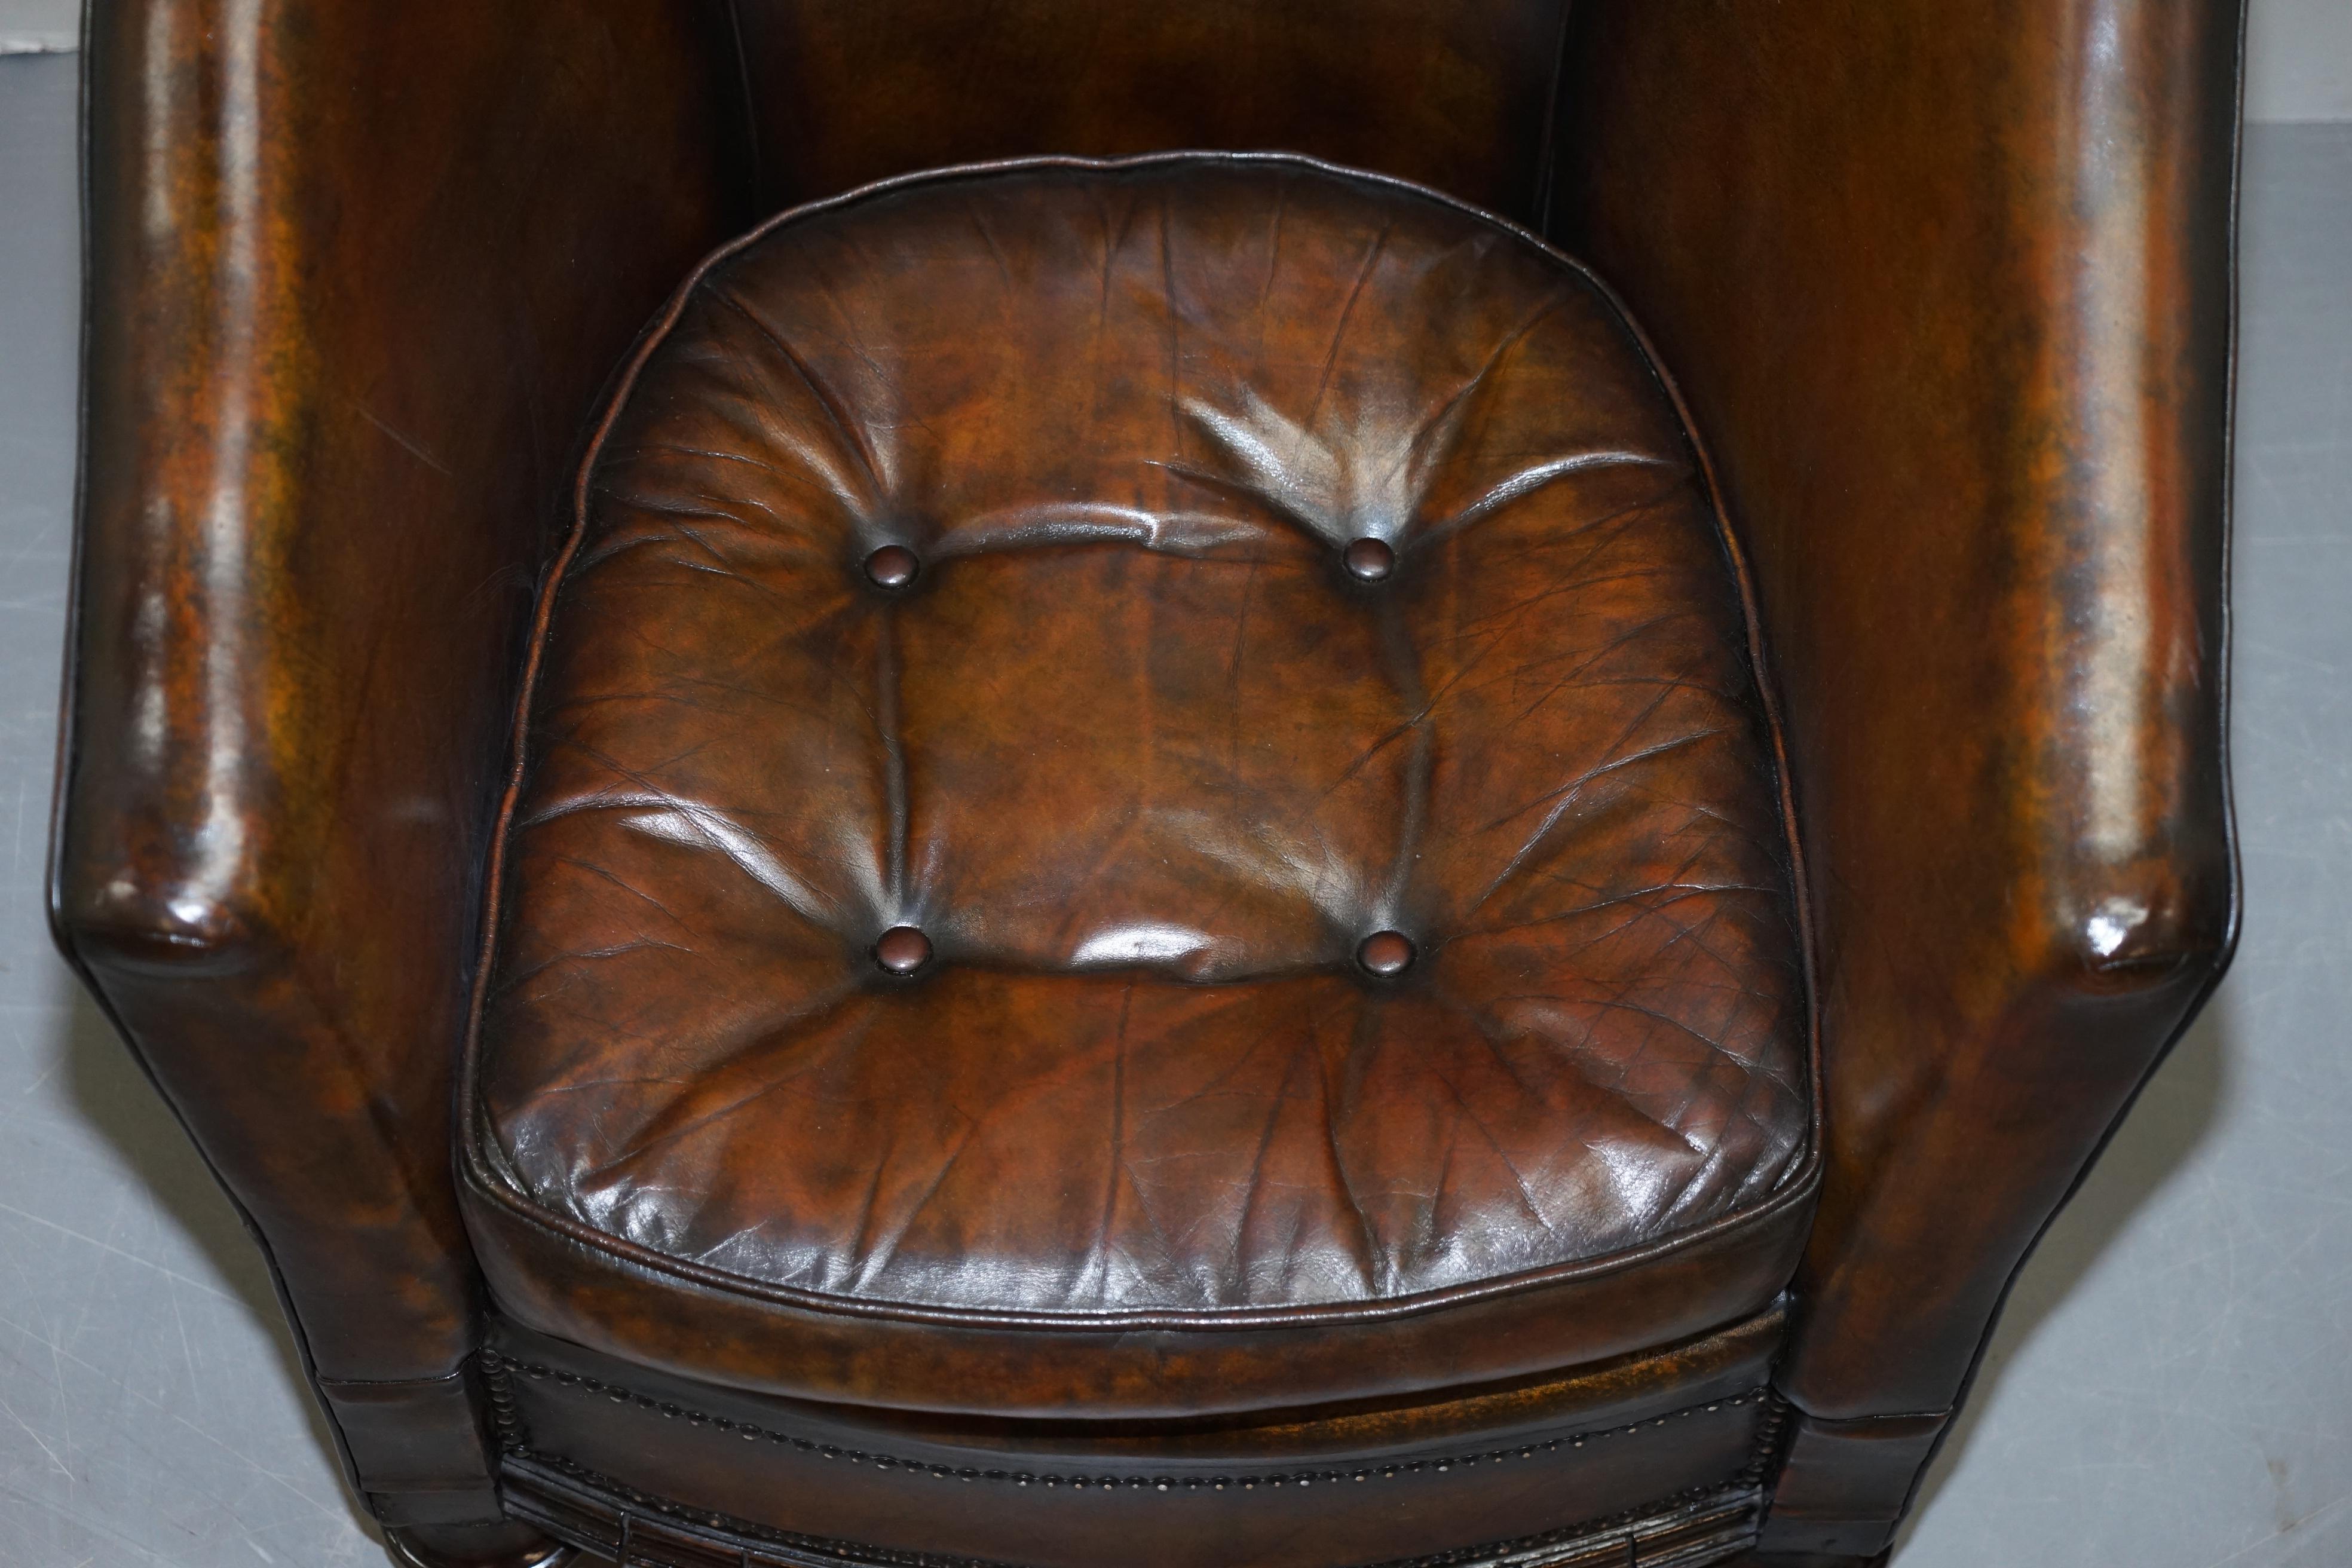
x=1265, y=785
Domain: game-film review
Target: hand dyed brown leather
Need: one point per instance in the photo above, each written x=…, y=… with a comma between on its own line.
x=1952, y=307
x=332, y=394
x=1304, y=954
x=1950, y=299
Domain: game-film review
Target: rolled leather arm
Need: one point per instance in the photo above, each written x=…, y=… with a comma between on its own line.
x=1950, y=299
x=356, y=272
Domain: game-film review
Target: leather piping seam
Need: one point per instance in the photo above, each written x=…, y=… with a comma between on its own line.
x=1731, y=1498
x=500, y=1372
x=361, y=1386
x=1864, y=1419
x=1796, y=1194
x=473, y=1129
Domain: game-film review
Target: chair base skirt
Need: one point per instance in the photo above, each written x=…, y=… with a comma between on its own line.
x=1656, y=1461
x=619, y=1525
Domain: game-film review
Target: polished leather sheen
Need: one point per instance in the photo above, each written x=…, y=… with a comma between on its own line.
x=1948, y=297
x=2014, y=805
x=1145, y=764
x=1953, y=306
x=334, y=369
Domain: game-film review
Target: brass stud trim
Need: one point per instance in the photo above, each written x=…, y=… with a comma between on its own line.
x=500, y=1370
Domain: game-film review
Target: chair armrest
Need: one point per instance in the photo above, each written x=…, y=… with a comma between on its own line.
x=1950, y=299
x=356, y=273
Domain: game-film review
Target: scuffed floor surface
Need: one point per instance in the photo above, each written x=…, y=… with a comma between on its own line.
x=2170, y=1389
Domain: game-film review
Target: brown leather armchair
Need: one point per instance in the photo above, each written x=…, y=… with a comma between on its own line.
x=1155, y=845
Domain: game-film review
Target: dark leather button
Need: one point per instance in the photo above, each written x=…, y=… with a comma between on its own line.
x=892, y=566
x=1386, y=952
x=902, y=949
x=1370, y=559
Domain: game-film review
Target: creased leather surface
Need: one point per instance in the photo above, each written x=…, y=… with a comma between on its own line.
x=1144, y=764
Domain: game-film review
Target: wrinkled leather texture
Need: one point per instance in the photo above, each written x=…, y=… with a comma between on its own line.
x=1951, y=305
x=1146, y=765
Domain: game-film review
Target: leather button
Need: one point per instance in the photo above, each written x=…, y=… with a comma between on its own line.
x=1385, y=952
x=892, y=566
x=902, y=949
x=1370, y=560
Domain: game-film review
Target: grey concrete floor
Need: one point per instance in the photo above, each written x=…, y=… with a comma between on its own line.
x=2172, y=1388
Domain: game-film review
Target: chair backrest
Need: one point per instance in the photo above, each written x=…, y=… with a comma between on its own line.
x=1457, y=94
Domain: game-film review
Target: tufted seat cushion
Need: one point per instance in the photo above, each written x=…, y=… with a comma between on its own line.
x=1142, y=793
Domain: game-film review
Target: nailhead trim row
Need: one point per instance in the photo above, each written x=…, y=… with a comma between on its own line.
x=1764, y=1460
x=1626, y=1529
x=497, y=1370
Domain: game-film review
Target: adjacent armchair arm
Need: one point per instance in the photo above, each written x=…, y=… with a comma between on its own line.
x=356, y=273
x=1950, y=298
